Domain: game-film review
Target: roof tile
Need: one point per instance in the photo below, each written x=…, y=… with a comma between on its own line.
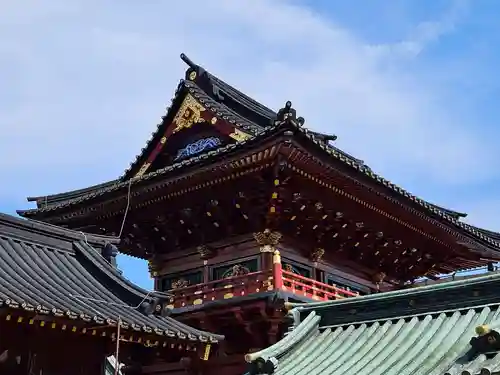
x=430, y=343
x=67, y=277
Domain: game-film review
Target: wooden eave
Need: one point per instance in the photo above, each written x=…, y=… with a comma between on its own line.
x=359, y=175
x=364, y=177
x=369, y=194
x=56, y=199
x=207, y=89
x=228, y=158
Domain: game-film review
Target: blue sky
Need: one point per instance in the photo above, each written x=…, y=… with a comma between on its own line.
x=410, y=86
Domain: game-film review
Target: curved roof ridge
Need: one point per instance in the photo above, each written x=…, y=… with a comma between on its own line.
x=71, y=194
x=456, y=214
x=111, y=272
x=487, y=232
x=10, y=222
x=222, y=109
x=243, y=98
x=234, y=92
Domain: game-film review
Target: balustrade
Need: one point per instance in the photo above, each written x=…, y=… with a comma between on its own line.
x=230, y=287
x=313, y=289
x=255, y=282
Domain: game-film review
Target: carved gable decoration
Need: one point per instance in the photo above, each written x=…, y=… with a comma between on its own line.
x=197, y=147
x=188, y=114
x=184, y=126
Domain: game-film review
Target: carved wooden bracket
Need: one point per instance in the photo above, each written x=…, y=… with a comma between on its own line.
x=317, y=254
x=205, y=251
x=378, y=278
x=267, y=240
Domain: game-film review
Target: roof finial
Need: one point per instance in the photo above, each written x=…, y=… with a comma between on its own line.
x=188, y=61
x=287, y=113
x=194, y=72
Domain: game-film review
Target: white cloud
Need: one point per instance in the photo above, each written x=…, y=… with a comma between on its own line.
x=85, y=82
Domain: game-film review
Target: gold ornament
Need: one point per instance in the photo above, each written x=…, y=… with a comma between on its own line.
x=267, y=240
x=188, y=114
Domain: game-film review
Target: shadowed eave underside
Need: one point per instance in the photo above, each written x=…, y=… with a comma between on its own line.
x=259, y=121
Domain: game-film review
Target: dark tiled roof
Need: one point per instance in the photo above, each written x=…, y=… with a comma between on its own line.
x=269, y=115
x=206, y=95
x=57, y=199
x=401, y=195
x=54, y=271
x=455, y=214
x=243, y=99
x=222, y=111
x=339, y=337
x=118, y=185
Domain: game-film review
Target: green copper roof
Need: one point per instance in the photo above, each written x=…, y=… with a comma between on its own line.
x=418, y=331
x=428, y=345
x=109, y=366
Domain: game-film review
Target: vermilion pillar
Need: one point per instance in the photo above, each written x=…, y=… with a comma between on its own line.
x=277, y=270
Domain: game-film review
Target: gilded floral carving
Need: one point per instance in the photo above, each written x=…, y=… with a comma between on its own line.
x=188, y=114
x=180, y=283
x=267, y=240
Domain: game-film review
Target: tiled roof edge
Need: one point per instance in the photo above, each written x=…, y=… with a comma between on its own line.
x=431, y=208
x=133, y=181
x=9, y=222
x=111, y=272
x=154, y=135
x=64, y=196
x=411, y=292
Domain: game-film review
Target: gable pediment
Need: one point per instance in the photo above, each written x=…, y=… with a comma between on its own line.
x=195, y=127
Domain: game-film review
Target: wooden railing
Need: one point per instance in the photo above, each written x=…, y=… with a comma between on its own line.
x=227, y=288
x=300, y=285
x=255, y=282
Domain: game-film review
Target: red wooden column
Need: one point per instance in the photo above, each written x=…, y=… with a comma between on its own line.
x=277, y=270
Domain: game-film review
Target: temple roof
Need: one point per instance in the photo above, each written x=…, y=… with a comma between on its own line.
x=259, y=123
x=420, y=331
x=56, y=199
x=61, y=273
x=64, y=201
